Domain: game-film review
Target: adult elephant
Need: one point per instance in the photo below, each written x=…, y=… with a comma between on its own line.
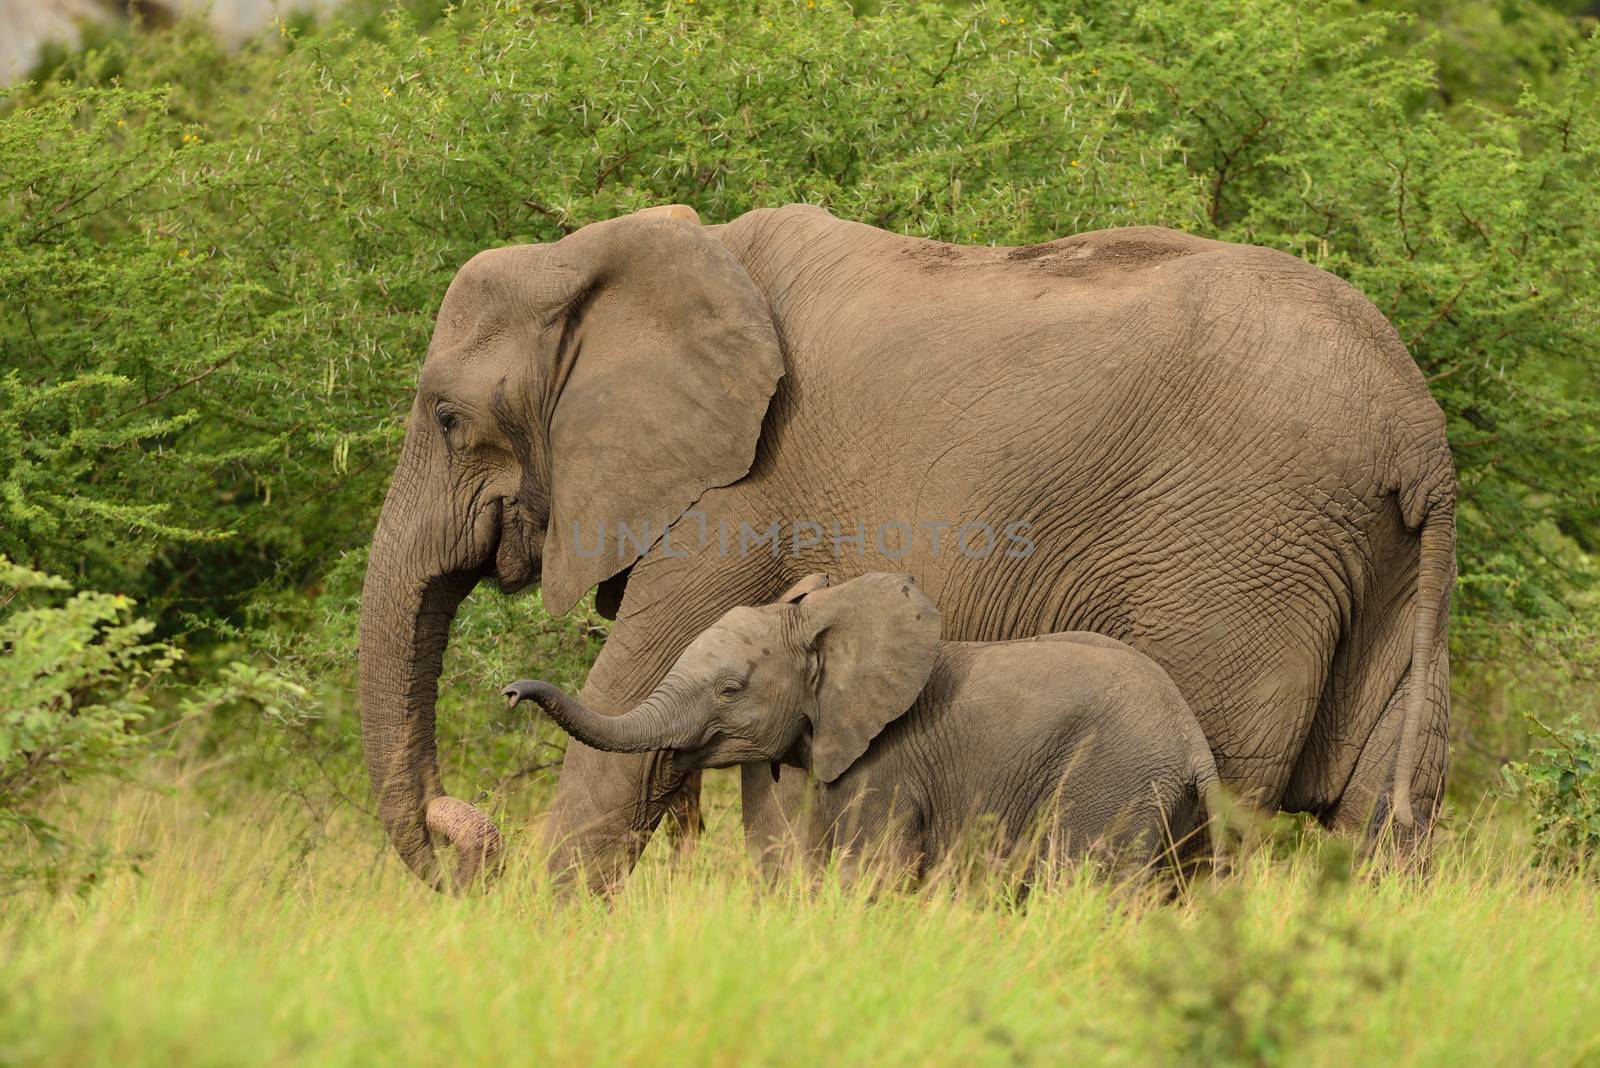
x=1220, y=455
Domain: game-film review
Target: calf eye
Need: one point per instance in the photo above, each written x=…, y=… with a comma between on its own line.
x=729, y=688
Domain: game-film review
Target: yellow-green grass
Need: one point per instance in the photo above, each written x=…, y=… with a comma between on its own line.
x=243, y=944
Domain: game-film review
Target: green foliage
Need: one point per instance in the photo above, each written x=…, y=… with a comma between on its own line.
x=54, y=439
x=80, y=686
x=1485, y=52
x=75, y=678
x=1226, y=992
x=1560, y=783
x=259, y=256
x=81, y=435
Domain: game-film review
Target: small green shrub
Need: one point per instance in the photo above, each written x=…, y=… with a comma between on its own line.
x=75, y=679
x=1224, y=989
x=78, y=688
x=1561, y=784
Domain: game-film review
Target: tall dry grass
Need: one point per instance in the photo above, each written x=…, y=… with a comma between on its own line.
x=246, y=940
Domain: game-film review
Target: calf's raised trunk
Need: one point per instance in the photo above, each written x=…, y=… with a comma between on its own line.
x=649, y=726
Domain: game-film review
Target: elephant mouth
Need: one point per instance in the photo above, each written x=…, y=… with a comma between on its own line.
x=516, y=558
x=517, y=582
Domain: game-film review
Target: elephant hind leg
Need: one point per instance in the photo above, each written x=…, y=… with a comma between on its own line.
x=1365, y=806
x=1345, y=774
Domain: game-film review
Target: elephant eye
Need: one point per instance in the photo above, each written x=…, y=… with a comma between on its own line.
x=729, y=687
x=448, y=419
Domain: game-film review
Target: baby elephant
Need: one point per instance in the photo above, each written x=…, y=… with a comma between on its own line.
x=1066, y=745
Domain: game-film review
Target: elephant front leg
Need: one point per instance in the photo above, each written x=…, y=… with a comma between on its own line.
x=607, y=806
x=878, y=836
x=781, y=823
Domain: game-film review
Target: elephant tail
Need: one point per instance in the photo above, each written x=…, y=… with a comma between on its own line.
x=1435, y=573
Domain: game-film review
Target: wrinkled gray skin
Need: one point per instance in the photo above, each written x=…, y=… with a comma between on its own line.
x=1068, y=744
x=1228, y=459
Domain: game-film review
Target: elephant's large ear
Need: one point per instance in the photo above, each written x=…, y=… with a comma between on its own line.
x=876, y=639
x=665, y=357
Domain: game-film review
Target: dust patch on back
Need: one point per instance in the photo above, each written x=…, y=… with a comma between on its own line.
x=936, y=255
x=1071, y=256
x=1064, y=257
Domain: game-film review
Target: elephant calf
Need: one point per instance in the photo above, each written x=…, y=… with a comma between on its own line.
x=1099, y=753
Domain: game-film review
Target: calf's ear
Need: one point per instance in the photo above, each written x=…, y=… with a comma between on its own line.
x=876, y=639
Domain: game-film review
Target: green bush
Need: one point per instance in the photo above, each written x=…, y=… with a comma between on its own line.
x=75, y=679
x=81, y=683
x=1221, y=993
x=1560, y=782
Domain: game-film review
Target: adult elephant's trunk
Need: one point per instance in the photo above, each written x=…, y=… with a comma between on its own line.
x=649, y=726
x=406, y=611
